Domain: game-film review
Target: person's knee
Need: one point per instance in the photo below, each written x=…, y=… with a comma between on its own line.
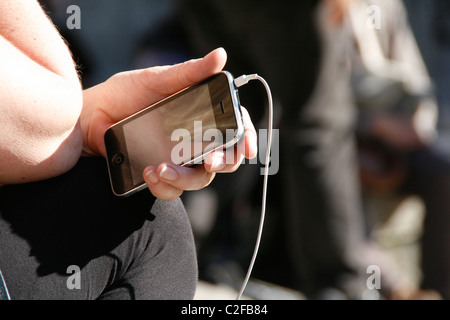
x=175, y=250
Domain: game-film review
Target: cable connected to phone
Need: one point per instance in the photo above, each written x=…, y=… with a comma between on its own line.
x=238, y=82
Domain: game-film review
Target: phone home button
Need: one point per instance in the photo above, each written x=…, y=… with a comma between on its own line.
x=118, y=159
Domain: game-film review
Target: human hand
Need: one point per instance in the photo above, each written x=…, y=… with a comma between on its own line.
x=128, y=92
x=168, y=181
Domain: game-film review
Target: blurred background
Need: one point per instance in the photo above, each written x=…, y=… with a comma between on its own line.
x=362, y=104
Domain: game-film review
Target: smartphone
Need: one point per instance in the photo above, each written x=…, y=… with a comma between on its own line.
x=183, y=129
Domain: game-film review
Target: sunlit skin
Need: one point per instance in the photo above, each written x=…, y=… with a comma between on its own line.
x=48, y=121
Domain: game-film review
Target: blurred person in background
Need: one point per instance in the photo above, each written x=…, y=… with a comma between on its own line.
x=309, y=54
x=430, y=22
x=314, y=236
x=409, y=141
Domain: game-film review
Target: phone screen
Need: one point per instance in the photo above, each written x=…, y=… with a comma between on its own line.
x=182, y=129
x=151, y=138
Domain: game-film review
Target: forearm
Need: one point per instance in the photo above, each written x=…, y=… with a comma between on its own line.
x=24, y=24
x=39, y=135
x=40, y=97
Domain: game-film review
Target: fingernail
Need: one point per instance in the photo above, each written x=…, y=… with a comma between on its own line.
x=152, y=176
x=217, y=164
x=167, y=173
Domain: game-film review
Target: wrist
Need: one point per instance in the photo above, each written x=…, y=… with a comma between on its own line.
x=93, y=123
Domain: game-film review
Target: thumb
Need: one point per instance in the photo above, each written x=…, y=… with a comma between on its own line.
x=170, y=79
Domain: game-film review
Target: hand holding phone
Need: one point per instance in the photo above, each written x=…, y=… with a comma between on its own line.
x=181, y=129
x=168, y=181
x=128, y=92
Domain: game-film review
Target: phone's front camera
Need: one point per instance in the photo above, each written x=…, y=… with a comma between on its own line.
x=118, y=159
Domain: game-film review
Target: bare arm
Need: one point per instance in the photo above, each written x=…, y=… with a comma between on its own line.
x=128, y=92
x=44, y=119
x=40, y=96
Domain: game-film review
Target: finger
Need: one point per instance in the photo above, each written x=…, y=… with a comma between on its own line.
x=194, y=71
x=165, y=191
x=224, y=161
x=230, y=159
x=140, y=88
x=182, y=178
x=250, y=136
x=185, y=178
x=158, y=187
x=170, y=79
